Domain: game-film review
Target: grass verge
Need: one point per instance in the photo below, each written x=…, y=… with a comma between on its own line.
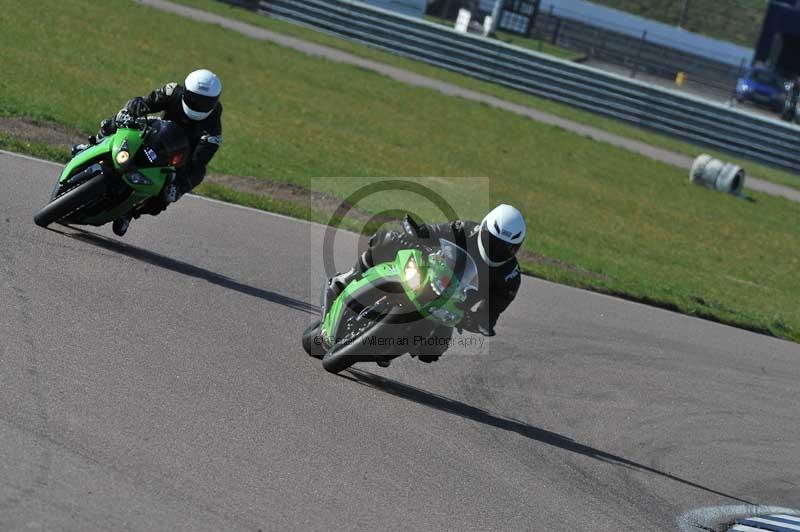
x=34, y=149
x=601, y=217
x=623, y=129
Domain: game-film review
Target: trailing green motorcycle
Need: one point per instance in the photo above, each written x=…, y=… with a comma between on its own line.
x=373, y=317
x=118, y=175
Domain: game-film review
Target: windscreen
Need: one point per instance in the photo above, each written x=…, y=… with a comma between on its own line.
x=165, y=144
x=454, y=269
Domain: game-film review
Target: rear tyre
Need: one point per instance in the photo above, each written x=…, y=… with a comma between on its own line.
x=71, y=201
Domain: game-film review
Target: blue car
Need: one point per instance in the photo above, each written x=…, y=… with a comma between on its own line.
x=763, y=87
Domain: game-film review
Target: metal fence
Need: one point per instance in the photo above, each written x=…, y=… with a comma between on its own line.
x=633, y=49
x=684, y=116
x=637, y=54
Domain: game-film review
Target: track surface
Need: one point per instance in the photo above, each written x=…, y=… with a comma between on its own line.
x=157, y=383
x=405, y=76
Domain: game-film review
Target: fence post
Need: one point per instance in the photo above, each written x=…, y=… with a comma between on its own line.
x=557, y=28
x=497, y=12
x=638, y=53
x=556, y=31
x=739, y=74
x=532, y=20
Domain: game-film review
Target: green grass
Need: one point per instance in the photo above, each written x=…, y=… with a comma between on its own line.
x=617, y=127
x=288, y=117
x=34, y=149
x=265, y=203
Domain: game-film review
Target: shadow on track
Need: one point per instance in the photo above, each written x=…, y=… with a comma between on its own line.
x=451, y=406
x=184, y=268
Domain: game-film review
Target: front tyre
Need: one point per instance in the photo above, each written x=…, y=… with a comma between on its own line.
x=71, y=201
x=312, y=340
x=334, y=362
x=343, y=355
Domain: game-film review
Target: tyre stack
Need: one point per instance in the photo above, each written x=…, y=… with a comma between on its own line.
x=717, y=175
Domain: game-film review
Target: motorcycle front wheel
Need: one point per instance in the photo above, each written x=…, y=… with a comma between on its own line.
x=343, y=355
x=71, y=201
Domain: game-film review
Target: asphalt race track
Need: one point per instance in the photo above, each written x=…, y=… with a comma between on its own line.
x=157, y=383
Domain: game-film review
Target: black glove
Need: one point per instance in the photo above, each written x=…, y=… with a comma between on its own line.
x=107, y=127
x=124, y=118
x=404, y=241
x=413, y=229
x=137, y=107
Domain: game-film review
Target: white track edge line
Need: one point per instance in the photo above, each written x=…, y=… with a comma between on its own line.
x=260, y=211
x=767, y=521
x=29, y=157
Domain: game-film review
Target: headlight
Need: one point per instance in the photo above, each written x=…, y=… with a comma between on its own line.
x=138, y=179
x=122, y=157
x=412, y=276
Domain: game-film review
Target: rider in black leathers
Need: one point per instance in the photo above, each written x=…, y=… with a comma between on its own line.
x=195, y=106
x=499, y=279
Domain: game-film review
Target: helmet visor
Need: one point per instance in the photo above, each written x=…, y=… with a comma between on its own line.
x=496, y=249
x=198, y=102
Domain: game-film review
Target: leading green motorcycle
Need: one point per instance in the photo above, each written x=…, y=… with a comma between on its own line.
x=118, y=175
x=375, y=316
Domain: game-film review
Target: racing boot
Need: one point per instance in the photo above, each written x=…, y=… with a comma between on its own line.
x=170, y=192
x=121, y=224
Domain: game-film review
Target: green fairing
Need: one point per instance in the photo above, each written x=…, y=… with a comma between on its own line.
x=155, y=175
x=84, y=157
x=379, y=271
x=396, y=270
x=132, y=136
x=108, y=149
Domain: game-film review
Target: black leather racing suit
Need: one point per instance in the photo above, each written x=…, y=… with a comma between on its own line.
x=497, y=286
x=205, y=136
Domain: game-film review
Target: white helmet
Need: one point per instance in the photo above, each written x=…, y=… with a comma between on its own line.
x=501, y=234
x=201, y=94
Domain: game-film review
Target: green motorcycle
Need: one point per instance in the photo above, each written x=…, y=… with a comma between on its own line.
x=118, y=175
x=373, y=318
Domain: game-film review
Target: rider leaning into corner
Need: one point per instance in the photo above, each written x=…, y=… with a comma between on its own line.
x=195, y=106
x=493, y=245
